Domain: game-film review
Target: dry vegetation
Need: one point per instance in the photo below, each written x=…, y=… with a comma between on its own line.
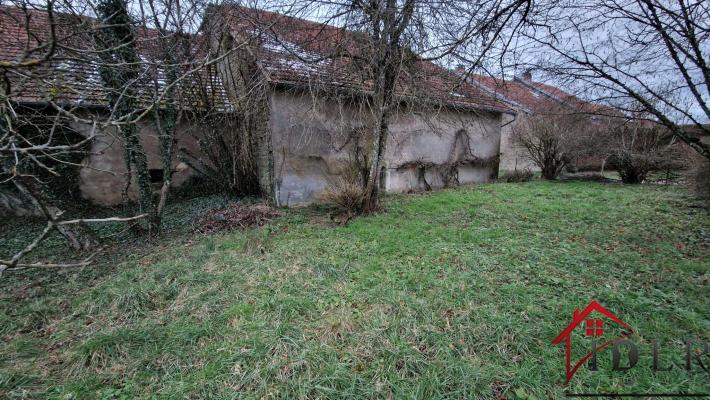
x=236, y=216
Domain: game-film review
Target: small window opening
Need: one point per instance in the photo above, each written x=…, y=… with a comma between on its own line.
x=156, y=175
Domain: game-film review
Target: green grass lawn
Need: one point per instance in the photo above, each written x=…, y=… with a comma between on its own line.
x=454, y=294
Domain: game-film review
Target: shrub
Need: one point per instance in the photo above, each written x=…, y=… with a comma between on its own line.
x=346, y=192
x=524, y=175
x=551, y=140
x=637, y=148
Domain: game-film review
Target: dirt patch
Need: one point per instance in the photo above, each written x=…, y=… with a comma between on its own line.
x=236, y=216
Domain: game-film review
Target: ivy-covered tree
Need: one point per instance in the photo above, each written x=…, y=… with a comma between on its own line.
x=120, y=71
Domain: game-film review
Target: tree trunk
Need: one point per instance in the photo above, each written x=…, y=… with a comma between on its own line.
x=379, y=140
x=386, y=68
x=139, y=164
x=119, y=72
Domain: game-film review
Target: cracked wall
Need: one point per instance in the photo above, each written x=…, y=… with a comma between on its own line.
x=313, y=140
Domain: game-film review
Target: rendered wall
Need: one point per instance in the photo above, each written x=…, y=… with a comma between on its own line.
x=312, y=144
x=314, y=141
x=513, y=157
x=425, y=144
x=103, y=176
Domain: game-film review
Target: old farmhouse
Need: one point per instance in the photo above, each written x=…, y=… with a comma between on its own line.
x=299, y=91
x=305, y=81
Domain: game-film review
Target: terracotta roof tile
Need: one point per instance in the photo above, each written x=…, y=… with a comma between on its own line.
x=72, y=77
x=297, y=51
x=517, y=94
x=536, y=97
x=574, y=101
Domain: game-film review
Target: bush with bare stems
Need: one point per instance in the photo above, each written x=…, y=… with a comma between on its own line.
x=550, y=141
x=345, y=191
x=635, y=149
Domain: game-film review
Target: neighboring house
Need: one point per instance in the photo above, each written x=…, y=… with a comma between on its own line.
x=307, y=96
x=527, y=98
x=300, y=95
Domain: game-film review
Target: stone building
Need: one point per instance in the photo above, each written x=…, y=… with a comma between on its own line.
x=312, y=120
x=302, y=107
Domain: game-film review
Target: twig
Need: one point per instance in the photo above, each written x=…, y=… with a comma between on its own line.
x=110, y=219
x=5, y=265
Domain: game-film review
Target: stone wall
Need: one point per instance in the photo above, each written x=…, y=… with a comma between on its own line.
x=102, y=178
x=248, y=91
x=513, y=157
x=314, y=140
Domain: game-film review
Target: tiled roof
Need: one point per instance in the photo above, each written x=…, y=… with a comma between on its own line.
x=570, y=100
x=295, y=51
x=71, y=76
x=516, y=94
x=536, y=97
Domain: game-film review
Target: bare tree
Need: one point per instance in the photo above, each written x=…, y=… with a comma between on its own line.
x=636, y=148
x=120, y=71
x=174, y=51
x=163, y=83
x=49, y=69
x=389, y=44
x=647, y=52
x=35, y=145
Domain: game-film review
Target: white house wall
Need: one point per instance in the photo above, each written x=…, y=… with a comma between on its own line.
x=430, y=138
x=512, y=156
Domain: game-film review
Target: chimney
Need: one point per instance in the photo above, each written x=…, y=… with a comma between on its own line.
x=527, y=75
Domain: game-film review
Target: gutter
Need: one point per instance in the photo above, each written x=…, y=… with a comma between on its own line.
x=515, y=118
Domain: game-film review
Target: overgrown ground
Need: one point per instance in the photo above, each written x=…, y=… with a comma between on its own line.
x=450, y=294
